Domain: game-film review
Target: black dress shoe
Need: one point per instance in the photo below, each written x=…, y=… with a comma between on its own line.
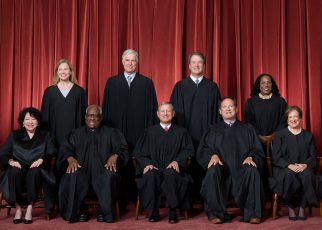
x=109, y=219
x=27, y=221
x=293, y=218
x=155, y=216
x=173, y=218
x=100, y=217
x=83, y=217
x=301, y=218
x=17, y=221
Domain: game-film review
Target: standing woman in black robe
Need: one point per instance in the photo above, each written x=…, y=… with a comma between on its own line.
x=26, y=157
x=265, y=108
x=64, y=103
x=294, y=163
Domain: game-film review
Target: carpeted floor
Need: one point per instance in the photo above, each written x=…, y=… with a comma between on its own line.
x=197, y=220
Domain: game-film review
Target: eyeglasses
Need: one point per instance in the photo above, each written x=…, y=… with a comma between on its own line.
x=92, y=115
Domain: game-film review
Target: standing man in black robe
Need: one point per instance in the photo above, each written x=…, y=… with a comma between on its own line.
x=130, y=105
x=196, y=102
x=232, y=154
x=93, y=153
x=162, y=154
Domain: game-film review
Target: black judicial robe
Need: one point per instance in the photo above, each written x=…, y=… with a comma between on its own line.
x=196, y=107
x=62, y=114
x=159, y=148
x=233, y=145
x=20, y=147
x=130, y=109
x=289, y=149
x=91, y=148
x=266, y=115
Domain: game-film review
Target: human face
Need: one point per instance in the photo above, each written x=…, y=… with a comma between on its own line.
x=196, y=66
x=265, y=85
x=30, y=123
x=63, y=72
x=294, y=120
x=165, y=114
x=93, y=118
x=228, y=109
x=130, y=63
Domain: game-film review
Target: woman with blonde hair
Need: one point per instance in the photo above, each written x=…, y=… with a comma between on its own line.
x=64, y=103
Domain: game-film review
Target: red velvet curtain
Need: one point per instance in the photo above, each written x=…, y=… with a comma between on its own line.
x=240, y=38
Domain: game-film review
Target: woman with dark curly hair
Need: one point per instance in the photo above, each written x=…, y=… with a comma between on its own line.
x=26, y=157
x=265, y=108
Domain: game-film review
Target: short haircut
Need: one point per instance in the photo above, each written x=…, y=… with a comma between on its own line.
x=100, y=112
x=72, y=76
x=199, y=54
x=293, y=108
x=35, y=113
x=227, y=97
x=128, y=52
x=166, y=103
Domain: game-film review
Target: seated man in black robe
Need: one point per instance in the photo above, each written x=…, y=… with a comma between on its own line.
x=233, y=157
x=93, y=154
x=162, y=154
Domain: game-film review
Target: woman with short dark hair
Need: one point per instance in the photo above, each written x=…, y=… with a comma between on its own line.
x=294, y=164
x=26, y=157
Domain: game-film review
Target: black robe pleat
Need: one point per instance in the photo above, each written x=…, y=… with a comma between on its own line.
x=91, y=148
x=14, y=181
x=298, y=189
x=159, y=148
x=62, y=114
x=233, y=145
x=266, y=115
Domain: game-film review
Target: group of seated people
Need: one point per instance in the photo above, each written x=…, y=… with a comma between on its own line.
x=230, y=152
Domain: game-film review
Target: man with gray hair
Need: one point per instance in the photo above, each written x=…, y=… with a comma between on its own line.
x=130, y=104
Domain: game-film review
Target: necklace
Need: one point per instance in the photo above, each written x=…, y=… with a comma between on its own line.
x=265, y=97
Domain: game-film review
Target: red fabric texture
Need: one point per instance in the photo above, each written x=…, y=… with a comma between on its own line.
x=240, y=38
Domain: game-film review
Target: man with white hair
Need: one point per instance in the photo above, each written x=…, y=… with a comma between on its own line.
x=130, y=105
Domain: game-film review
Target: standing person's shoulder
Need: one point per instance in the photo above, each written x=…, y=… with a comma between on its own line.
x=143, y=78
x=79, y=88
x=210, y=83
x=50, y=88
x=115, y=78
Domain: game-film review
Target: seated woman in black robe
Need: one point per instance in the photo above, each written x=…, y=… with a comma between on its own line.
x=265, y=108
x=294, y=163
x=26, y=157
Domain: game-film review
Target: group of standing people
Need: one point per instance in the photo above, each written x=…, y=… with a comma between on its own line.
x=93, y=146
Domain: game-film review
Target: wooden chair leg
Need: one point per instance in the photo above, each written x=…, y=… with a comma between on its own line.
x=310, y=210
x=185, y=214
x=137, y=208
x=8, y=210
x=321, y=208
x=275, y=200
x=117, y=210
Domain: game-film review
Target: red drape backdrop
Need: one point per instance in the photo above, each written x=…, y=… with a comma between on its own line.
x=241, y=39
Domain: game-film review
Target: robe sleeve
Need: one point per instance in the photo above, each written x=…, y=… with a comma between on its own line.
x=283, y=121
x=119, y=147
x=249, y=114
x=82, y=105
x=216, y=102
x=311, y=160
x=177, y=102
x=207, y=148
x=50, y=151
x=142, y=154
x=6, y=152
x=66, y=150
x=186, y=150
x=256, y=151
x=153, y=102
x=278, y=152
x=45, y=109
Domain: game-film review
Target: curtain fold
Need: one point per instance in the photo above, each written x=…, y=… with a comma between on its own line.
x=240, y=39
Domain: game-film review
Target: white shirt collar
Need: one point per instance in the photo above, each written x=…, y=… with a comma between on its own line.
x=163, y=126
x=230, y=122
x=127, y=74
x=194, y=78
